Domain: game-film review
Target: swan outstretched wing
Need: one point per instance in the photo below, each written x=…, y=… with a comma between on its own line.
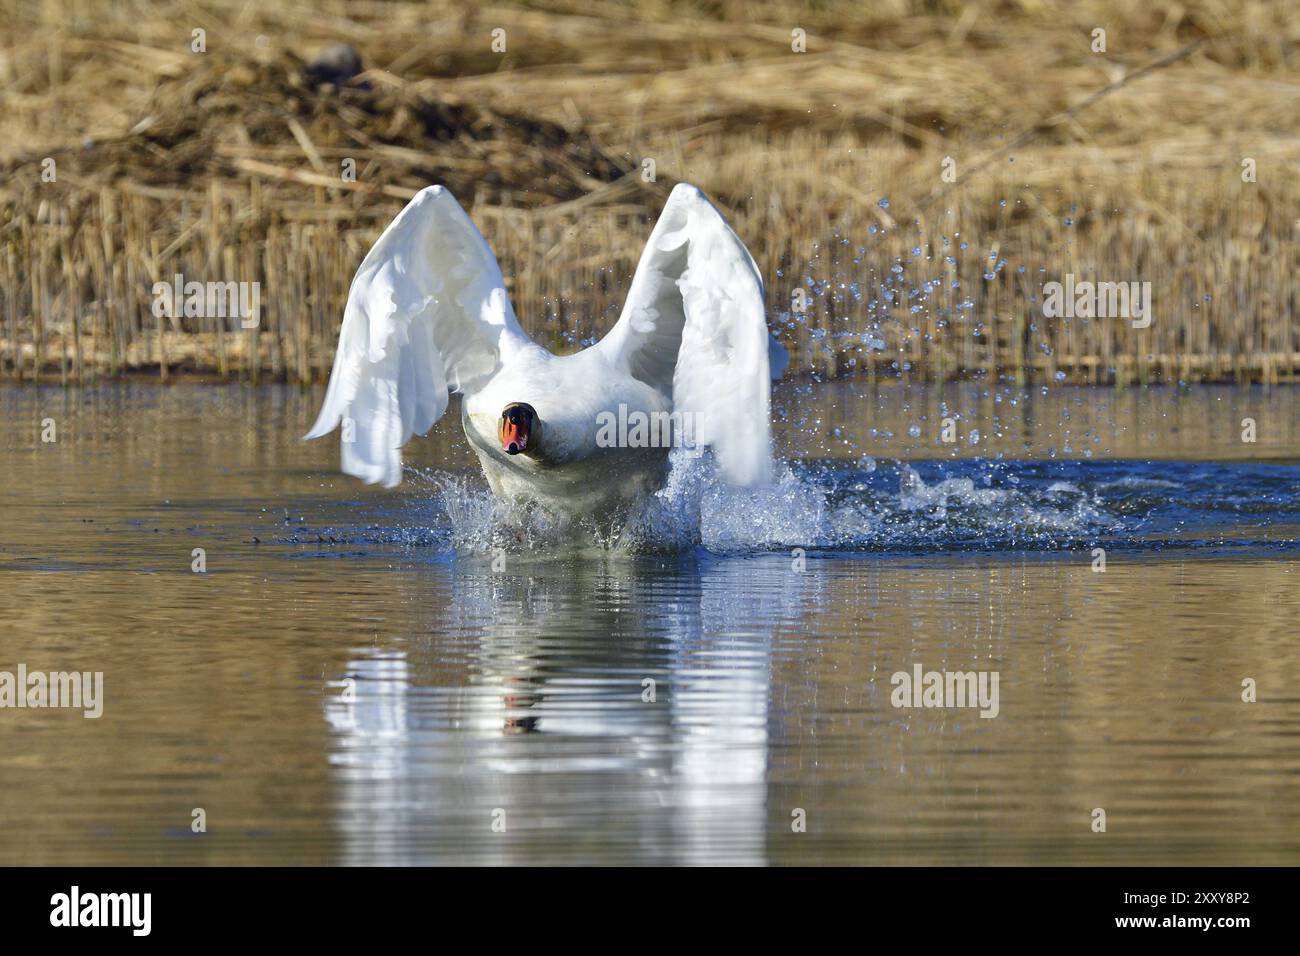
x=693, y=327
x=427, y=313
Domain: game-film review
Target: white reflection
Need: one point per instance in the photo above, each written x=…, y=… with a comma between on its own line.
x=526, y=695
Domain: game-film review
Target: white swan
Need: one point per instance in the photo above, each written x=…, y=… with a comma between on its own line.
x=427, y=313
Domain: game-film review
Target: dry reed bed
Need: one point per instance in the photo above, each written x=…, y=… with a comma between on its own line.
x=799, y=149
x=569, y=271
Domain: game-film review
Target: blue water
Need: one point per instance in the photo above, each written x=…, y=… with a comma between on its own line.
x=867, y=507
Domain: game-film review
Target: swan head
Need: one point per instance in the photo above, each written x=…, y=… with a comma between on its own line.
x=518, y=429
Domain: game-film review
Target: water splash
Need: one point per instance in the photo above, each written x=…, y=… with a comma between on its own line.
x=857, y=507
x=862, y=506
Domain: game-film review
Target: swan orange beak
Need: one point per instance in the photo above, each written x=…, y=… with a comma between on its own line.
x=515, y=428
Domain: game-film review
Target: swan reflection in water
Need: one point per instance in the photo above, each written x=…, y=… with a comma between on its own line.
x=586, y=709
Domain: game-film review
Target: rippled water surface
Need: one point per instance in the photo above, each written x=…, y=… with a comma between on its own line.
x=364, y=676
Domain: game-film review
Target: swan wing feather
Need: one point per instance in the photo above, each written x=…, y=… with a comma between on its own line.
x=694, y=327
x=427, y=313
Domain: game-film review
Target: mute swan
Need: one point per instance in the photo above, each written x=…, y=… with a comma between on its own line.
x=689, y=362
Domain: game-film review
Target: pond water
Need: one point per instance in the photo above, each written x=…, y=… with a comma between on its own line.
x=361, y=676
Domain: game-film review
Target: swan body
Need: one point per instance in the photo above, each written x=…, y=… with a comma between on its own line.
x=571, y=466
x=428, y=313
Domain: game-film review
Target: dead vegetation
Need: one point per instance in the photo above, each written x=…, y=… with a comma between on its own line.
x=230, y=165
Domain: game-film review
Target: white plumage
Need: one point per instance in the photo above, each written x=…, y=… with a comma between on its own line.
x=427, y=313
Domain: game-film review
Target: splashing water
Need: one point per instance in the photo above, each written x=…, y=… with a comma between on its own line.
x=1052, y=472
x=695, y=508
x=975, y=505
